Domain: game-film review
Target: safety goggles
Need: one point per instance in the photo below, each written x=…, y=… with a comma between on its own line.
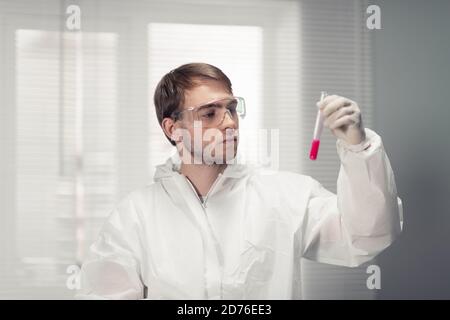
x=213, y=113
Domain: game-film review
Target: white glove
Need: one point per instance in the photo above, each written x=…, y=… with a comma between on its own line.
x=343, y=117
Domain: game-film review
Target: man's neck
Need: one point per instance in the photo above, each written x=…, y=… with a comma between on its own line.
x=202, y=176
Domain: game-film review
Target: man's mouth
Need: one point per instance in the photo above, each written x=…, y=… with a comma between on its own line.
x=230, y=139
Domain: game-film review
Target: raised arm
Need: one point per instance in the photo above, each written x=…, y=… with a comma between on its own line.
x=365, y=216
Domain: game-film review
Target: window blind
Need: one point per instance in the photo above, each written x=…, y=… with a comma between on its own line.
x=336, y=57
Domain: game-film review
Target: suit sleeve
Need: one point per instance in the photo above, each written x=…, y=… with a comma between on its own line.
x=364, y=217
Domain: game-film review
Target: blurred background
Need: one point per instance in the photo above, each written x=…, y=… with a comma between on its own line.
x=78, y=129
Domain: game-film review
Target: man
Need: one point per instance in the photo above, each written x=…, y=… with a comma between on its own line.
x=210, y=228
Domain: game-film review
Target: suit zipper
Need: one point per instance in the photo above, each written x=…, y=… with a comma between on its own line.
x=205, y=199
x=218, y=248
x=211, y=189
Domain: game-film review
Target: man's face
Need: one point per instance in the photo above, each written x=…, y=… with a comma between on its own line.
x=218, y=143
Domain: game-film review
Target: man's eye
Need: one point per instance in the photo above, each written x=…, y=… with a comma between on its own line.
x=232, y=105
x=209, y=114
x=232, y=109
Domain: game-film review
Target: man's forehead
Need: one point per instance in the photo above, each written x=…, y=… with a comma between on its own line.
x=205, y=92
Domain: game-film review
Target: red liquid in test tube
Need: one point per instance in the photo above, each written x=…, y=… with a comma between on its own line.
x=317, y=131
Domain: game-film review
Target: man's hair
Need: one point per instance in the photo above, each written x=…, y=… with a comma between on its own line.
x=170, y=91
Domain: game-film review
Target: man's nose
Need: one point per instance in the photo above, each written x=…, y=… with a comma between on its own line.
x=228, y=121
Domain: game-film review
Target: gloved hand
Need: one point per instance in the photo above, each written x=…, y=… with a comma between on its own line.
x=343, y=117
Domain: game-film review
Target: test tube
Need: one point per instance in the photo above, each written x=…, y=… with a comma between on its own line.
x=317, y=131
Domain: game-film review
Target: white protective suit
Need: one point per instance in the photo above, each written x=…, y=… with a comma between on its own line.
x=247, y=239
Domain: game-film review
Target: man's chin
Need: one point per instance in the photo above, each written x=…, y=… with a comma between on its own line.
x=222, y=153
x=223, y=158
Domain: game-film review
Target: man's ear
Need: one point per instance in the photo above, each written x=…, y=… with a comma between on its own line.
x=168, y=126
